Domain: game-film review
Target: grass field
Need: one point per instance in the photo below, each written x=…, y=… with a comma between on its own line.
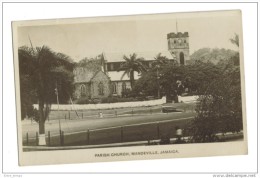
x=133, y=124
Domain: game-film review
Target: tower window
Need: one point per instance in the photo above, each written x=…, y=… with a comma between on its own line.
x=181, y=58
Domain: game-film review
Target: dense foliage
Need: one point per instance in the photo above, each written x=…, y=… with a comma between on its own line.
x=211, y=55
x=219, y=109
x=41, y=72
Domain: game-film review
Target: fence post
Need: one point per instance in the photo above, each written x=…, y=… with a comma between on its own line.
x=122, y=134
x=88, y=137
x=151, y=111
x=132, y=112
x=65, y=117
x=49, y=137
x=69, y=115
x=158, y=130
x=115, y=113
x=27, y=139
x=82, y=115
x=37, y=139
x=60, y=137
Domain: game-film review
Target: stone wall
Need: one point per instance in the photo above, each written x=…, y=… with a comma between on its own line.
x=65, y=107
x=99, y=78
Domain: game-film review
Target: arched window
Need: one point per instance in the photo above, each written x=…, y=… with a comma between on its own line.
x=100, y=88
x=114, y=88
x=181, y=58
x=83, y=90
x=123, y=86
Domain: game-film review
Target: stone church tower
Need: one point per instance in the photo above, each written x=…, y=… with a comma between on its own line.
x=178, y=46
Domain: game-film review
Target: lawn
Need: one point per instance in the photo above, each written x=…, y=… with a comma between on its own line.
x=133, y=124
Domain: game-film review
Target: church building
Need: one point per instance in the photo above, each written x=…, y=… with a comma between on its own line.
x=106, y=80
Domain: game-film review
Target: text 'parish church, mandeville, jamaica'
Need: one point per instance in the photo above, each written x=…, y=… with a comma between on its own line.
x=106, y=80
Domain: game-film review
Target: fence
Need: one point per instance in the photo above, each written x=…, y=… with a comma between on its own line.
x=118, y=134
x=120, y=112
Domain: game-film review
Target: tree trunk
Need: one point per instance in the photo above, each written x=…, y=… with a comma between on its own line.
x=132, y=79
x=41, y=123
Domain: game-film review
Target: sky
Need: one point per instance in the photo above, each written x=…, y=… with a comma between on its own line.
x=132, y=34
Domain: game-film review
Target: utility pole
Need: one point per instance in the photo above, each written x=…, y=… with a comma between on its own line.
x=158, y=82
x=57, y=94
x=176, y=26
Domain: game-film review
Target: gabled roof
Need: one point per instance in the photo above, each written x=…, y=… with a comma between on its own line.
x=97, y=73
x=149, y=55
x=82, y=74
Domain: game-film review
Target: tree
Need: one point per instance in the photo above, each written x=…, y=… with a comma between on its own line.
x=219, y=109
x=132, y=64
x=45, y=70
x=166, y=78
x=211, y=55
x=199, y=75
x=160, y=60
x=235, y=40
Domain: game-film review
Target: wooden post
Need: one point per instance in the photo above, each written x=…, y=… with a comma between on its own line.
x=132, y=112
x=88, y=137
x=69, y=115
x=158, y=130
x=151, y=111
x=116, y=113
x=37, y=139
x=27, y=139
x=122, y=134
x=82, y=115
x=60, y=137
x=49, y=138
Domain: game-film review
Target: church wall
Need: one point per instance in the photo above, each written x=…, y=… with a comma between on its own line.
x=185, y=52
x=77, y=91
x=119, y=85
x=100, y=77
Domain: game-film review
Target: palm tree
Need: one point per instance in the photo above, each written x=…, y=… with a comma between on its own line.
x=46, y=71
x=160, y=60
x=132, y=64
x=235, y=40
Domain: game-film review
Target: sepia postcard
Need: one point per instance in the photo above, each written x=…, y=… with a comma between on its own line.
x=131, y=87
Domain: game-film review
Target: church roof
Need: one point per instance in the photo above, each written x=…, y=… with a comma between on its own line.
x=84, y=75
x=81, y=74
x=149, y=55
x=117, y=76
